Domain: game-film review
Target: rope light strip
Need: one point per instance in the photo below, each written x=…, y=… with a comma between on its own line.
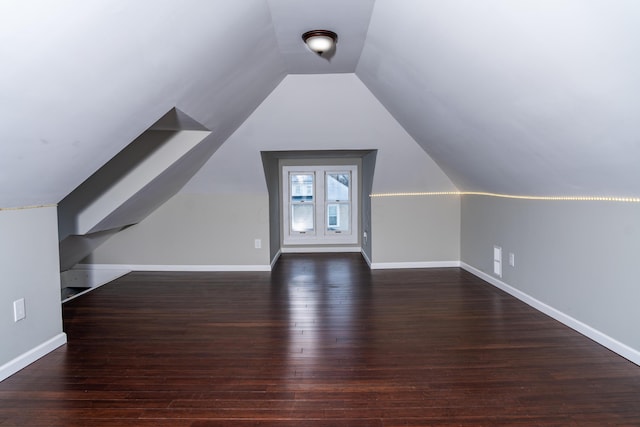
x=511, y=196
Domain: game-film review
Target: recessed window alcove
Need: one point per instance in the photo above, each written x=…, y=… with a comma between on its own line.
x=336, y=225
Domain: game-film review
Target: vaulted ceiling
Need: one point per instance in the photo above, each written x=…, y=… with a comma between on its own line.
x=523, y=97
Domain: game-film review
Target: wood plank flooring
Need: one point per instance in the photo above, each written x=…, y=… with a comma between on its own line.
x=320, y=341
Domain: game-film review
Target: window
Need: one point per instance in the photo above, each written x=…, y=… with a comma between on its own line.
x=318, y=204
x=338, y=201
x=302, y=202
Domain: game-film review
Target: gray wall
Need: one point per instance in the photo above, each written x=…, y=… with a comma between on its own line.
x=415, y=229
x=194, y=229
x=29, y=265
x=580, y=258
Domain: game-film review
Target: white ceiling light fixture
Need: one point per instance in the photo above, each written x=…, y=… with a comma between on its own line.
x=320, y=41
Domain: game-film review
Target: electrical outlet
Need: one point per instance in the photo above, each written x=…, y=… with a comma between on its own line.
x=512, y=259
x=258, y=243
x=19, y=312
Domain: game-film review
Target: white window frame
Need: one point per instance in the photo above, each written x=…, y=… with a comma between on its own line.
x=322, y=235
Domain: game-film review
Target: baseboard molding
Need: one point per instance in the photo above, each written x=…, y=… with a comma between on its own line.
x=426, y=264
x=163, y=267
x=366, y=257
x=319, y=249
x=82, y=277
x=612, y=344
x=275, y=258
x=31, y=356
x=88, y=278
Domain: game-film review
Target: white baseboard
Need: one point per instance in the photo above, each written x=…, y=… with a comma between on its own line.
x=319, y=249
x=162, y=267
x=275, y=258
x=366, y=257
x=427, y=264
x=87, y=278
x=392, y=265
x=612, y=344
x=31, y=356
x=80, y=277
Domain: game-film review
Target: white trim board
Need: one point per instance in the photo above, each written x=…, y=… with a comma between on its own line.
x=162, y=267
x=366, y=258
x=612, y=344
x=319, y=249
x=275, y=258
x=87, y=278
x=421, y=264
x=31, y=356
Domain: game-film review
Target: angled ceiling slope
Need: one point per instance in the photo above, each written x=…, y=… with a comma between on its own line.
x=132, y=184
x=527, y=97
x=81, y=80
x=531, y=97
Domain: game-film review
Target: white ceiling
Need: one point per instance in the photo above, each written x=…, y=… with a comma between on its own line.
x=521, y=97
x=349, y=19
x=82, y=79
x=526, y=97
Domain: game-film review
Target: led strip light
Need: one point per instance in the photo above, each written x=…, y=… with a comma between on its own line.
x=510, y=196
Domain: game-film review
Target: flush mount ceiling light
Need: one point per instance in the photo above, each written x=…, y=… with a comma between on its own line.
x=320, y=41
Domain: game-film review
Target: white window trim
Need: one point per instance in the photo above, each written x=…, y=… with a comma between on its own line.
x=322, y=236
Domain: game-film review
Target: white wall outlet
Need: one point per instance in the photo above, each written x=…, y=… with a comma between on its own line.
x=258, y=243
x=512, y=259
x=364, y=237
x=497, y=261
x=19, y=312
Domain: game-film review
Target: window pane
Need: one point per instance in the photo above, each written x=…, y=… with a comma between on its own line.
x=332, y=213
x=302, y=217
x=338, y=186
x=338, y=218
x=301, y=187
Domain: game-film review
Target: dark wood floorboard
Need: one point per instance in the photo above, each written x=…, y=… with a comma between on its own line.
x=320, y=341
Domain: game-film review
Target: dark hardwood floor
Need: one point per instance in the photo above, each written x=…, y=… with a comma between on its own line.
x=320, y=341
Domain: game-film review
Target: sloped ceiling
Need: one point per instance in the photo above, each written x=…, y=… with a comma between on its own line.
x=524, y=97
x=535, y=97
x=350, y=19
x=82, y=79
